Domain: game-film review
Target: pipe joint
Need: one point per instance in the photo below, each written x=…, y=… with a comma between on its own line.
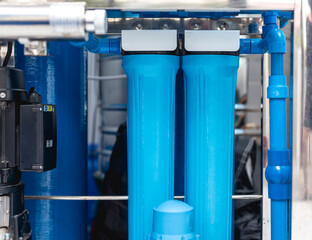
x=100, y=45
x=277, y=87
x=274, y=40
x=251, y=46
x=278, y=174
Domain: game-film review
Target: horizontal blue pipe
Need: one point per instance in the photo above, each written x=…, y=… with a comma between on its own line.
x=251, y=46
x=100, y=45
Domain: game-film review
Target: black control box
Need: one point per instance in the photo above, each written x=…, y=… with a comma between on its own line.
x=37, y=133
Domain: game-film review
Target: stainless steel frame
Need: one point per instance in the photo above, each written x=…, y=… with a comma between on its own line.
x=117, y=198
x=302, y=127
x=241, y=22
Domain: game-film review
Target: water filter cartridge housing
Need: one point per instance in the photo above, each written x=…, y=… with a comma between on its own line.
x=151, y=123
x=210, y=84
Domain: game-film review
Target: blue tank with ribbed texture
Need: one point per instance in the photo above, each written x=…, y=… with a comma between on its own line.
x=210, y=83
x=61, y=79
x=151, y=124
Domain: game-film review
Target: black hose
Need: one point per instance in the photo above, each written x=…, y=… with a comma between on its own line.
x=8, y=55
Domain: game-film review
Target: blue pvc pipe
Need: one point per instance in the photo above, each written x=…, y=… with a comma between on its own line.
x=210, y=83
x=278, y=137
x=151, y=118
x=278, y=141
x=277, y=64
x=61, y=79
x=279, y=219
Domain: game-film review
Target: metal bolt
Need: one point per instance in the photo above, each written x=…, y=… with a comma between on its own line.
x=222, y=26
x=165, y=26
x=196, y=26
x=139, y=26
x=3, y=95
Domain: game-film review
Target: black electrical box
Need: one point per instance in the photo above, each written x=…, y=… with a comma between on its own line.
x=37, y=135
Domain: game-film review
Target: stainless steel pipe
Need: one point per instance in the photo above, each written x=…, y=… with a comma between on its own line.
x=117, y=198
x=50, y=21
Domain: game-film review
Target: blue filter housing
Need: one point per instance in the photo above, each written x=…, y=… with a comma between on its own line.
x=61, y=79
x=151, y=118
x=210, y=84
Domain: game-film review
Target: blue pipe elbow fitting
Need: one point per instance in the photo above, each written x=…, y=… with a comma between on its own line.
x=278, y=174
x=270, y=22
x=270, y=17
x=274, y=41
x=100, y=45
x=173, y=220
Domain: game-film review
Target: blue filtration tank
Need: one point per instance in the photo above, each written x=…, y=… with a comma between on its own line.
x=61, y=80
x=151, y=123
x=210, y=83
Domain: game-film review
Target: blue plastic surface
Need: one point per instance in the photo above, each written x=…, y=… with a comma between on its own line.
x=278, y=87
x=251, y=46
x=210, y=83
x=61, y=79
x=100, y=45
x=151, y=118
x=278, y=173
x=270, y=17
x=173, y=220
x=274, y=41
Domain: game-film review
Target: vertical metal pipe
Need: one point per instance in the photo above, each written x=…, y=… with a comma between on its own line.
x=61, y=79
x=302, y=122
x=210, y=83
x=151, y=117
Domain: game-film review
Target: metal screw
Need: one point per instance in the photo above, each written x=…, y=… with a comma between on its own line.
x=3, y=95
x=222, y=26
x=139, y=26
x=196, y=26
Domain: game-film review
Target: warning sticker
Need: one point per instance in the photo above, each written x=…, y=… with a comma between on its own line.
x=48, y=108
